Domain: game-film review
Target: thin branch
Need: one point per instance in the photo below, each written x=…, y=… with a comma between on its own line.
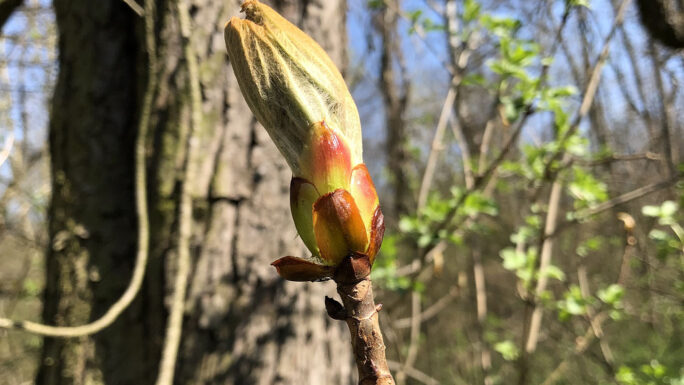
x=582, y=344
x=174, y=328
x=420, y=32
x=484, y=146
x=544, y=262
x=435, y=147
x=637, y=75
x=135, y=7
x=596, y=327
x=431, y=311
x=648, y=155
x=141, y=210
x=414, y=338
x=624, y=198
x=6, y=148
x=665, y=136
x=413, y=373
x=360, y=312
x=466, y=157
x=610, y=204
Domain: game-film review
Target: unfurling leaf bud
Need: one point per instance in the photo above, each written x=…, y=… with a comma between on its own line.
x=289, y=82
x=299, y=96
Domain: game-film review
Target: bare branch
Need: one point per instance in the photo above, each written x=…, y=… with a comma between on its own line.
x=413, y=338
x=174, y=328
x=435, y=147
x=596, y=327
x=135, y=7
x=6, y=148
x=648, y=155
x=431, y=311
x=544, y=262
x=413, y=373
x=626, y=197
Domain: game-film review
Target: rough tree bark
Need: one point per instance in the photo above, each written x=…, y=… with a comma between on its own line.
x=243, y=324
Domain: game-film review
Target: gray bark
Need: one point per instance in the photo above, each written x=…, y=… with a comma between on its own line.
x=243, y=324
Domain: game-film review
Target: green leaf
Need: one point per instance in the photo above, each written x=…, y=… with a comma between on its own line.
x=659, y=235
x=471, y=10
x=407, y=224
x=375, y=4
x=513, y=259
x=611, y=295
x=414, y=16
x=586, y=189
x=578, y=3
x=651, y=211
x=554, y=272
x=424, y=240
x=668, y=209
x=507, y=349
x=474, y=79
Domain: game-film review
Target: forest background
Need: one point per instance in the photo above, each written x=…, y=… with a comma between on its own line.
x=527, y=153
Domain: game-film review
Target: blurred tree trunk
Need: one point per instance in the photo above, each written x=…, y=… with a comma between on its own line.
x=7, y=7
x=243, y=324
x=664, y=20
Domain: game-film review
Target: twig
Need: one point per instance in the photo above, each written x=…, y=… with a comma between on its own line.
x=484, y=146
x=637, y=76
x=359, y=311
x=544, y=262
x=6, y=148
x=664, y=118
x=431, y=311
x=420, y=32
x=413, y=373
x=413, y=338
x=141, y=210
x=174, y=328
x=648, y=155
x=583, y=281
x=435, y=147
x=621, y=199
x=466, y=157
x=624, y=198
x=135, y=7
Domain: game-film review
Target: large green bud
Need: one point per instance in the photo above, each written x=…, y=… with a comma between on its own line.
x=299, y=96
x=289, y=82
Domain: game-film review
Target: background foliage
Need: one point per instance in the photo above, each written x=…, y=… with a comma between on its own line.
x=529, y=160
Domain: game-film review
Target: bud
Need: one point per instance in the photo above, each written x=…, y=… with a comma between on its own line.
x=299, y=96
x=289, y=82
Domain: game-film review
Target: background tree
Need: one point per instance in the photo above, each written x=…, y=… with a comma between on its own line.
x=242, y=323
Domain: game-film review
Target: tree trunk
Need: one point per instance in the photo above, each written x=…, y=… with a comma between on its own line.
x=243, y=324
